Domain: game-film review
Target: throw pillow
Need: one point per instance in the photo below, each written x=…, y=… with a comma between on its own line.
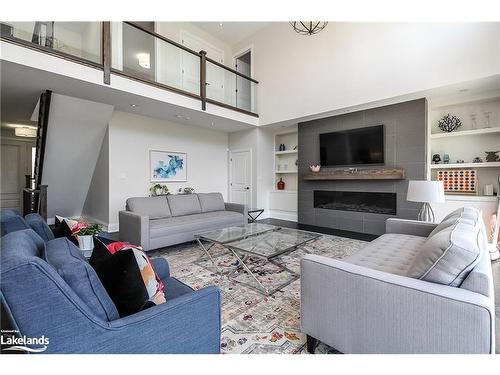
x=449, y=254
x=127, y=274
x=63, y=227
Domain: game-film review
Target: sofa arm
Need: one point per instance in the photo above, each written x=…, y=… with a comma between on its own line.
x=134, y=228
x=236, y=207
x=360, y=310
x=413, y=227
x=161, y=267
x=189, y=324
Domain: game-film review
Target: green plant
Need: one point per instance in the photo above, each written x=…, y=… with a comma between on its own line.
x=90, y=230
x=186, y=190
x=158, y=189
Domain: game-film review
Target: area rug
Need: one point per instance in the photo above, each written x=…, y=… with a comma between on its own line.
x=252, y=322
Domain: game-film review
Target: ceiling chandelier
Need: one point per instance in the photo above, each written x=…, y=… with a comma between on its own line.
x=308, y=27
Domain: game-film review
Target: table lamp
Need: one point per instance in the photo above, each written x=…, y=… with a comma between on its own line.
x=426, y=192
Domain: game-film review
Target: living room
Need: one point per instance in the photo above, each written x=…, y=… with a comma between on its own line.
x=253, y=187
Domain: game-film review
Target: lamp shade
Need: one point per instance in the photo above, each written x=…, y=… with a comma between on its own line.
x=425, y=191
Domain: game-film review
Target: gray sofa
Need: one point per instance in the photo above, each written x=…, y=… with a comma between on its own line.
x=155, y=222
x=419, y=288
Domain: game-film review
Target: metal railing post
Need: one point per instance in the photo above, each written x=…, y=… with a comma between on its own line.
x=203, y=80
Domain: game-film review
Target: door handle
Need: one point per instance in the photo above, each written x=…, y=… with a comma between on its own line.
x=247, y=188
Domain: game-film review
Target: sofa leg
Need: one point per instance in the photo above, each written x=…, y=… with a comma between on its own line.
x=311, y=343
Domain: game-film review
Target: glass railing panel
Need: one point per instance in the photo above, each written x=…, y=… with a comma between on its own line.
x=79, y=39
x=227, y=87
x=141, y=55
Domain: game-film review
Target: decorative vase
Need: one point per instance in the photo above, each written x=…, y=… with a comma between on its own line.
x=436, y=158
x=315, y=168
x=85, y=242
x=281, y=184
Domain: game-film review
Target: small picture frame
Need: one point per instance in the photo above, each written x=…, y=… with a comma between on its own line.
x=166, y=166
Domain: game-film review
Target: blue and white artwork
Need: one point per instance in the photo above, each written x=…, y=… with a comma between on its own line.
x=168, y=166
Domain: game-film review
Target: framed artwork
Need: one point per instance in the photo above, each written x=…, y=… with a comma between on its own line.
x=165, y=166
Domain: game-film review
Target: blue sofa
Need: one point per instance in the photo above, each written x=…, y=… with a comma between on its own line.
x=48, y=289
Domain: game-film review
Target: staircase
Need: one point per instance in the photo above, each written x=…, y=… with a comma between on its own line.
x=35, y=197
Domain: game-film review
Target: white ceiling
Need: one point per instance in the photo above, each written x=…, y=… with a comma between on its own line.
x=231, y=32
x=21, y=87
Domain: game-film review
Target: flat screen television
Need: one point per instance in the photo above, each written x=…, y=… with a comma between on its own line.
x=361, y=146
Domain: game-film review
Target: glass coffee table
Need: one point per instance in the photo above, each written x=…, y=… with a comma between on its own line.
x=254, y=243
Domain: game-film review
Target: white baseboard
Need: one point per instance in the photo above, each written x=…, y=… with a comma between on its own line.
x=113, y=228
x=283, y=215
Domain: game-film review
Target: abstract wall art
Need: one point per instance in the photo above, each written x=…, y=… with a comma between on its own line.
x=168, y=166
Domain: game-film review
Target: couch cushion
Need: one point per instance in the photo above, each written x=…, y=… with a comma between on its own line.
x=184, y=204
x=38, y=224
x=21, y=244
x=154, y=207
x=194, y=223
x=211, y=202
x=392, y=253
x=12, y=223
x=71, y=265
x=175, y=288
x=452, y=249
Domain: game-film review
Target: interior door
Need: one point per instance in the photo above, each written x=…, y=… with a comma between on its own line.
x=15, y=164
x=191, y=68
x=243, y=86
x=241, y=177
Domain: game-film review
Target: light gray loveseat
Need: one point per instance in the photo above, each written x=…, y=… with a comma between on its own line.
x=155, y=222
x=419, y=288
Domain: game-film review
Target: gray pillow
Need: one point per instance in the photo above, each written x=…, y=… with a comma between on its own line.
x=184, y=204
x=154, y=207
x=211, y=202
x=450, y=253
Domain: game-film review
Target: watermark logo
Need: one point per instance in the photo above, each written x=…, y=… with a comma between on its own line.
x=12, y=341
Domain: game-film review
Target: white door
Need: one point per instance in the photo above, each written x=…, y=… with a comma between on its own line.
x=15, y=164
x=240, y=184
x=191, y=68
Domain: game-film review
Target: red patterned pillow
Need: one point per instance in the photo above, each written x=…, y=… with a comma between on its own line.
x=128, y=276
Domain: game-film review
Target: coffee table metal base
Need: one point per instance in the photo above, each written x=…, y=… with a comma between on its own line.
x=245, y=261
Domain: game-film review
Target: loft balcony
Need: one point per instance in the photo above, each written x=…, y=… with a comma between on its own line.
x=126, y=50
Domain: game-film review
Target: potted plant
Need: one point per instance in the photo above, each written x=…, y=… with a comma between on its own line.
x=158, y=189
x=186, y=190
x=85, y=233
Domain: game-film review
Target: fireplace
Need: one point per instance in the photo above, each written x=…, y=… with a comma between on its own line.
x=378, y=203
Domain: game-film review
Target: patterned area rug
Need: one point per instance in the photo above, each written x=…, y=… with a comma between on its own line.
x=252, y=322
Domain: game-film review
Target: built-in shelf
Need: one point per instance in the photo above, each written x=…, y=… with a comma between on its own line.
x=475, y=198
x=287, y=152
x=493, y=164
x=281, y=172
x=467, y=133
x=360, y=174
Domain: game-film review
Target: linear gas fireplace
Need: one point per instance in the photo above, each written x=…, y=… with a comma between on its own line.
x=378, y=203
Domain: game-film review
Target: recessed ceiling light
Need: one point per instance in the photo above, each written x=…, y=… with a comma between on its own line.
x=221, y=25
x=134, y=105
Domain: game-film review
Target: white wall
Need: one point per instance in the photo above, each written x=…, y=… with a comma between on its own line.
x=75, y=132
x=261, y=141
x=131, y=137
x=349, y=64
x=96, y=207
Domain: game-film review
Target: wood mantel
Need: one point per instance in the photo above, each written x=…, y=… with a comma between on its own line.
x=357, y=174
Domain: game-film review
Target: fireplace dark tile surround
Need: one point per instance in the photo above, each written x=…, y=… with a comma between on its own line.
x=356, y=201
x=404, y=125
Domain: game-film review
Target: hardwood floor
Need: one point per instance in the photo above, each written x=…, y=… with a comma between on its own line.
x=313, y=228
